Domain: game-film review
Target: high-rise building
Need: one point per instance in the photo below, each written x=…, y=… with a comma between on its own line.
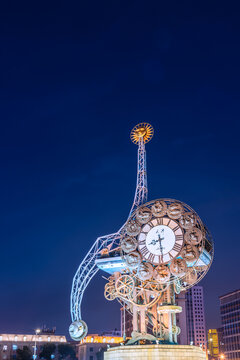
x=192, y=318
x=213, y=343
x=230, y=318
x=220, y=340
x=196, y=329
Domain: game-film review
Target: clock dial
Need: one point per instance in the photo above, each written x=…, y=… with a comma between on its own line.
x=160, y=240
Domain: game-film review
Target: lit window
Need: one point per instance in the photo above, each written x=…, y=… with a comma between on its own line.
x=104, y=340
x=1, y=338
x=24, y=338
x=4, y=347
x=62, y=340
x=48, y=339
x=14, y=347
x=16, y=338
x=92, y=339
x=40, y=339
x=112, y=340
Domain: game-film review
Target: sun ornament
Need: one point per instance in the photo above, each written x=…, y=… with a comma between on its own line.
x=142, y=131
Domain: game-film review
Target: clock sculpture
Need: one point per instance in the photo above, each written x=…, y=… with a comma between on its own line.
x=162, y=249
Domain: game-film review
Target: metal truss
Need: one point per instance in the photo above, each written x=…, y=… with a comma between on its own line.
x=141, y=192
x=88, y=268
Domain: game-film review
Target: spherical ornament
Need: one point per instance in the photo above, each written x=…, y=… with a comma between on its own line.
x=193, y=236
x=187, y=220
x=133, y=259
x=190, y=253
x=191, y=276
x=174, y=210
x=128, y=244
x=159, y=208
x=145, y=271
x=162, y=274
x=178, y=267
x=133, y=228
x=78, y=330
x=143, y=215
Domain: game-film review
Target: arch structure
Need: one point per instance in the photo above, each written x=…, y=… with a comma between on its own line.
x=108, y=244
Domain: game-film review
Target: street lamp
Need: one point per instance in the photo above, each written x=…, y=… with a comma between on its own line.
x=222, y=356
x=37, y=331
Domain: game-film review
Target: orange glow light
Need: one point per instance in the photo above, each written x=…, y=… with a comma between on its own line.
x=102, y=339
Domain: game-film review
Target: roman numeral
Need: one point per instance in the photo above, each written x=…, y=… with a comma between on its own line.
x=151, y=257
x=168, y=222
x=142, y=242
x=175, y=228
x=179, y=237
x=177, y=247
x=160, y=221
x=144, y=251
x=160, y=259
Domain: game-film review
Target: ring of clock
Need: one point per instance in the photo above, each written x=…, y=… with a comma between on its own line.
x=165, y=241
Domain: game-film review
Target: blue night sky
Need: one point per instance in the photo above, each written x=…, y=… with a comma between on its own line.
x=75, y=78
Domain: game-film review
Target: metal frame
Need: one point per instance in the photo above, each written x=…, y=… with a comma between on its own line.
x=87, y=269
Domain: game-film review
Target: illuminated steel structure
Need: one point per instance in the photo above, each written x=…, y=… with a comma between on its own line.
x=140, y=135
x=162, y=249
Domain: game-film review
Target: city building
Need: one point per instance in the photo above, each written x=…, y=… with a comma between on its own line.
x=195, y=317
x=192, y=318
x=213, y=343
x=93, y=346
x=9, y=343
x=230, y=319
x=220, y=340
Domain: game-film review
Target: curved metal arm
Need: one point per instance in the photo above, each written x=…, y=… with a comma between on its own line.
x=88, y=268
x=86, y=271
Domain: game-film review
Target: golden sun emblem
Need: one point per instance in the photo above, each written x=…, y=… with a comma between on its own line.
x=142, y=131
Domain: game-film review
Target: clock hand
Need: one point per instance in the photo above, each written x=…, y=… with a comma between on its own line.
x=160, y=244
x=153, y=242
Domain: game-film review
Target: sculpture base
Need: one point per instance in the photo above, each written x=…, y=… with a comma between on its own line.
x=155, y=352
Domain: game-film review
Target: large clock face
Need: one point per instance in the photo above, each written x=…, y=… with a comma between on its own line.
x=160, y=240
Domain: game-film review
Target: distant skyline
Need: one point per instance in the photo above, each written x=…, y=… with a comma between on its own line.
x=76, y=78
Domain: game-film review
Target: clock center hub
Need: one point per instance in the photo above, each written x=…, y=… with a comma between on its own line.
x=160, y=240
